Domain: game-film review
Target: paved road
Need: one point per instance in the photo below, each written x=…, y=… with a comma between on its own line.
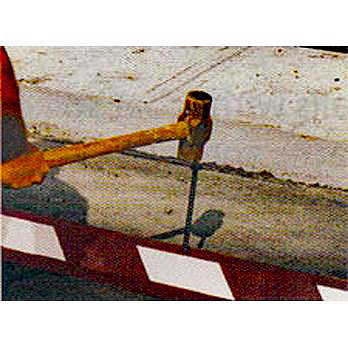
x=23, y=284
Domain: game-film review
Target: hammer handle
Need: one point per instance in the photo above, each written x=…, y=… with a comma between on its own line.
x=74, y=153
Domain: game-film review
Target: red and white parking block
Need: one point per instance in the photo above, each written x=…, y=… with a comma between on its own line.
x=151, y=267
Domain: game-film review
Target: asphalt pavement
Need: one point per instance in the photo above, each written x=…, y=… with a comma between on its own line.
x=23, y=284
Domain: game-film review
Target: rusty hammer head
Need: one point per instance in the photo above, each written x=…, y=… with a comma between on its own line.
x=196, y=113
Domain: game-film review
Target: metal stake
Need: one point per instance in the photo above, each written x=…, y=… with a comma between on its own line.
x=195, y=167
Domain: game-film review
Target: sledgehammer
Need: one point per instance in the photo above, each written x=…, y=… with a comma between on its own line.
x=184, y=130
x=27, y=165
x=193, y=129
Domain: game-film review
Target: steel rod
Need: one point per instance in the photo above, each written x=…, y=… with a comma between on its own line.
x=188, y=225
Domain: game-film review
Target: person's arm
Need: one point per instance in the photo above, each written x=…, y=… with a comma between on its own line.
x=22, y=163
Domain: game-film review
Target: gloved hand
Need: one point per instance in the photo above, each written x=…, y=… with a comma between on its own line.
x=24, y=170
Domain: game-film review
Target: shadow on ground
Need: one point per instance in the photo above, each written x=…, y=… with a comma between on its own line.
x=205, y=226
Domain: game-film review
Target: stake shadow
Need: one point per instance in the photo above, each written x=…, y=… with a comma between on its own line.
x=205, y=226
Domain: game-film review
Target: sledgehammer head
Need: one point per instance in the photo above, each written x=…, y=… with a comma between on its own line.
x=196, y=113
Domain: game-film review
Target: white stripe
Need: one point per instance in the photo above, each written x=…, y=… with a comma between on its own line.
x=30, y=237
x=185, y=272
x=332, y=294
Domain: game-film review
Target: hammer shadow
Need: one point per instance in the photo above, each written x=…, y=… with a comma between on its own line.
x=204, y=227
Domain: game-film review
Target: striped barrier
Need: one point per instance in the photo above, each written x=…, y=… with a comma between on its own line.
x=151, y=267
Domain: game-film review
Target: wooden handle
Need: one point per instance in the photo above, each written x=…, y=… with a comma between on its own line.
x=74, y=153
